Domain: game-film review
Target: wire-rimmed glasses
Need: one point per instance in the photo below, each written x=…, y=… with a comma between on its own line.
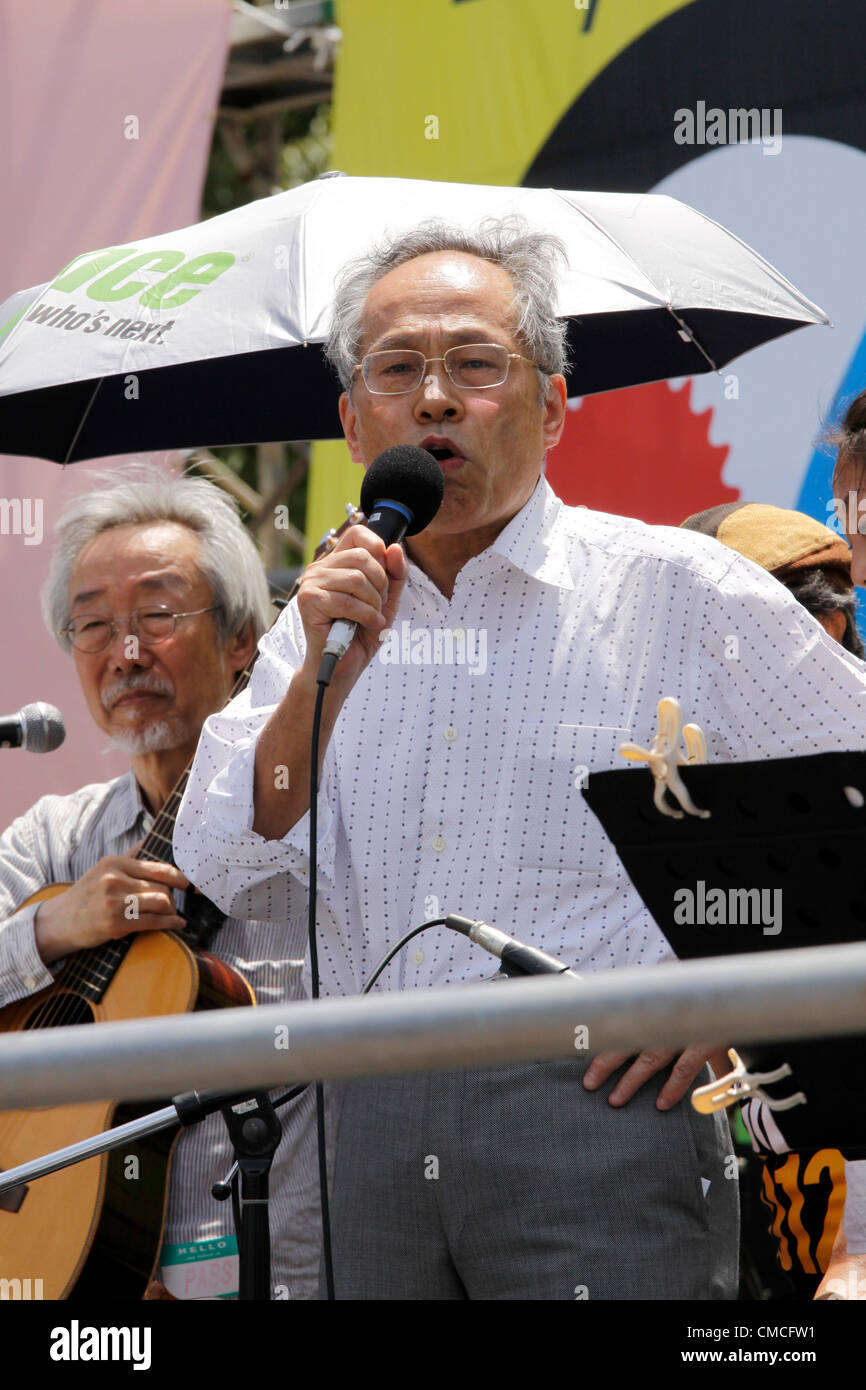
x=470, y=367
x=152, y=624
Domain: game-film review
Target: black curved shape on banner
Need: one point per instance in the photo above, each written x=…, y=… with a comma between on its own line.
x=802, y=56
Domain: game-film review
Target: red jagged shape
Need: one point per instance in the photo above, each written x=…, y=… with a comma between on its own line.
x=642, y=452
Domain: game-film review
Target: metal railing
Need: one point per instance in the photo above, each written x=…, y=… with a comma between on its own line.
x=815, y=992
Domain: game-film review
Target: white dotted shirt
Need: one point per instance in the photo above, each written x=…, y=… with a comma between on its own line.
x=454, y=785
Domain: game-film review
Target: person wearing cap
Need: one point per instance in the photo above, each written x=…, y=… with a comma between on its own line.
x=805, y=1192
x=806, y=556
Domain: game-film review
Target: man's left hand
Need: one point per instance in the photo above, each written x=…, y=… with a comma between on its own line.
x=690, y=1062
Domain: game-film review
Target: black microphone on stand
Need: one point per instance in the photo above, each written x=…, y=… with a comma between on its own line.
x=400, y=495
x=39, y=728
x=526, y=960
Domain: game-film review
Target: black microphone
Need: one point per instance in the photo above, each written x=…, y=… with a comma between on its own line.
x=39, y=728
x=400, y=495
x=527, y=960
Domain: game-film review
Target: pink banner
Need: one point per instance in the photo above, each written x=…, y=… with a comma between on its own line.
x=107, y=111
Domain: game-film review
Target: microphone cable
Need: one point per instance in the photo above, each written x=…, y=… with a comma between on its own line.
x=401, y=493
x=451, y=922
x=314, y=990
x=314, y=971
x=231, y=1188
x=389, y=956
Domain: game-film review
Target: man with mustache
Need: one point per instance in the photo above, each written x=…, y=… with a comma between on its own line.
x=157, y=591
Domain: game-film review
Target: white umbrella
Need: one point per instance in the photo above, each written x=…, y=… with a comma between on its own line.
x=210, y=335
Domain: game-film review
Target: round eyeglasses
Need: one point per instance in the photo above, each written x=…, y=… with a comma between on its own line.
x=92, y=633
x=470, y=367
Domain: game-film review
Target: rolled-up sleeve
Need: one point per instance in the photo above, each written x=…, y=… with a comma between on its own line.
x=24, y=869
x=246, y=875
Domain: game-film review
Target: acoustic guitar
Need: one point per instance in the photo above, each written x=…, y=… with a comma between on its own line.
x=94, y=1229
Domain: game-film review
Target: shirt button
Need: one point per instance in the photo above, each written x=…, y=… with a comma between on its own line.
x=450, y=733
x=418, y=957
x=459, y=633
x=30, y=981
x=438, y=843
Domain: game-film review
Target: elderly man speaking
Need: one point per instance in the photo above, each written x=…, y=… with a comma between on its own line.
x=454, y=789
x=158, y=592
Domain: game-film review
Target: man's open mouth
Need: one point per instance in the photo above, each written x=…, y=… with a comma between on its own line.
x=444, y=452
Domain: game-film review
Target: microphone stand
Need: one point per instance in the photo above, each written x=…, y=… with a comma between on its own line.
x=255, y=1132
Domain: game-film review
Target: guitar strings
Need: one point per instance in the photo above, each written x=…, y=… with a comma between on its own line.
x=95, y=967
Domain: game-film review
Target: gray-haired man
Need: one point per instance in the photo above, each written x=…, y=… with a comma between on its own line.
x=447, y=789
x=158, y=592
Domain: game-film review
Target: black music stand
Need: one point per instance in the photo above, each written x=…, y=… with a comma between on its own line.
x=795, y=826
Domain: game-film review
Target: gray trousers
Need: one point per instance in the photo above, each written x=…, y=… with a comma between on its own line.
x=516, y=1183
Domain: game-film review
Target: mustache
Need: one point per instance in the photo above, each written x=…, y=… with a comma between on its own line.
x=146, y=681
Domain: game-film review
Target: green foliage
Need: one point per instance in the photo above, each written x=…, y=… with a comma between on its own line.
x=305, y=152
x=306, y=155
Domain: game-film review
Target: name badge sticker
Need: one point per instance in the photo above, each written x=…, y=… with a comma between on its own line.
x=201, y=1268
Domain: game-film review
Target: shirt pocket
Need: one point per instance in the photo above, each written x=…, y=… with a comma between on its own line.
x=541, y=820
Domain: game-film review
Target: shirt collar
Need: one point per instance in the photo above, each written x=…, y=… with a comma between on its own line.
x=533, y=539
x=127, y=808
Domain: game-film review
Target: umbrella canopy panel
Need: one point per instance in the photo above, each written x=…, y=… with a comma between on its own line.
x=209, y=335
x=291, y=393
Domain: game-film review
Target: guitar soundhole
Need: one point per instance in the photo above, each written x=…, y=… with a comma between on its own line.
x=60, y=1011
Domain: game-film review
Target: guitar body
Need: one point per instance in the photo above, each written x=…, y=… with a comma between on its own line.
x=95, y=1227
